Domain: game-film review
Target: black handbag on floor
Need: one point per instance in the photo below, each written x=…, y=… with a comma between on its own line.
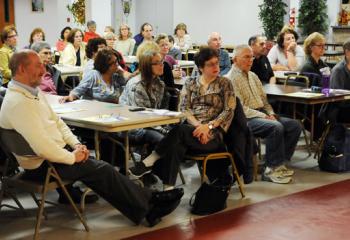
x=209, y=198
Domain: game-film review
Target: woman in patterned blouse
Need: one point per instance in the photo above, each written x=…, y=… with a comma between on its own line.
x=208, y=102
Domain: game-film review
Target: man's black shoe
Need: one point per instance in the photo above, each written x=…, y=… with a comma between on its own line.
x=163, y=204
x=76, y=194
x=167, y=196
x=155, y=215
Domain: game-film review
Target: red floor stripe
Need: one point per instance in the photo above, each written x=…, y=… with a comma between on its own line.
x=318, y=214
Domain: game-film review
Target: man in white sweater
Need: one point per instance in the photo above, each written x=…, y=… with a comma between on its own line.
x=26, y=110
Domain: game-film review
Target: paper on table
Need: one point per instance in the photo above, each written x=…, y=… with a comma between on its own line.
x=105, y=118
x=161, y=112
x=62, y=109
x=304, y=94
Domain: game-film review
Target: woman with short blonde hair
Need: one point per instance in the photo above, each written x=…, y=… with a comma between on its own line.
x=314, y=47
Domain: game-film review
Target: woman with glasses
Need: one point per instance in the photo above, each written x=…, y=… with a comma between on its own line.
x=9, y=43
x=163, y=42
x=314, y=47
x=146, y=90
x=208, y=102
x=74, y=53
x=104, y=83
x=286, y=55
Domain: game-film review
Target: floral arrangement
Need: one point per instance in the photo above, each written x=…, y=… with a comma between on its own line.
x=78, y=11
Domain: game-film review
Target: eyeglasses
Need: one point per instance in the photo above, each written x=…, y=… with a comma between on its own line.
x=215, y=64
x=12, y=36
x=320, y=45
x=46, y=53
x=247, y=57
x=114, y=63
x=159, y=63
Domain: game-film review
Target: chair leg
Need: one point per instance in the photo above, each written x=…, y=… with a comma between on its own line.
x=320, y=145
x=14, y=197
x=307, y=141
x=234, y=169
x=82, y=200
x=37, y=201
x=60, y=183
x=42, y=203
x=182, y=176
x=255, y=167
x=235, y=174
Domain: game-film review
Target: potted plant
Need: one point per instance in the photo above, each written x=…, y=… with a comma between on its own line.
x=313, y=17
x=272, y=17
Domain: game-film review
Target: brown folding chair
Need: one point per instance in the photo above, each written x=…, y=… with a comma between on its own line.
x=12, y=142
x=217, y=156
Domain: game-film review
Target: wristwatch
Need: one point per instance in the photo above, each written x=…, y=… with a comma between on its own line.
x=211, y=126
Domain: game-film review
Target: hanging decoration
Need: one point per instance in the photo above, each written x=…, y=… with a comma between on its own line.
x=126, y=5
x=78, y=11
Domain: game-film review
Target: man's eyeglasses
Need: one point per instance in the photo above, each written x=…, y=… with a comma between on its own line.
x=159, y=63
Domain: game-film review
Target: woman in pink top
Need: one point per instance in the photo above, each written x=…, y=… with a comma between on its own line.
x=62, y=42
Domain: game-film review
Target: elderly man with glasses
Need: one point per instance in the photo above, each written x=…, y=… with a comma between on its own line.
x=281, y=133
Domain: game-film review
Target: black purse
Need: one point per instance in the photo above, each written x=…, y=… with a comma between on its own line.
x=209, y=198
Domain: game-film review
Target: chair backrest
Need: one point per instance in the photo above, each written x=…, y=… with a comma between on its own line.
x=173, y=95
x=297, y=80
x=314, y=78
x=15, y=142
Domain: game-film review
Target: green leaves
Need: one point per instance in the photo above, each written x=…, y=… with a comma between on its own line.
x=271, y=15
x=313, y=17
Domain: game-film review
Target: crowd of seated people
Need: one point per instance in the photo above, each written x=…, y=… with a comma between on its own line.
x=208, y=100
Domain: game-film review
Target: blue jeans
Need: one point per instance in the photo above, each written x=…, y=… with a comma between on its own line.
x=281, y=138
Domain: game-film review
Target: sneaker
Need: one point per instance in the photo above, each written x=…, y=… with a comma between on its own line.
x=285, y=171
x=271, y=175
x=139, y=170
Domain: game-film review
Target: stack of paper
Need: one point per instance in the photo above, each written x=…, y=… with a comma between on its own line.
x=162, y=112
x=304, y=94
x=105, y=118
x=62, y=109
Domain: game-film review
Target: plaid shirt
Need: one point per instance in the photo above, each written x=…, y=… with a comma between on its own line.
x=250, y=91
x=217, y=103
x=135, y=94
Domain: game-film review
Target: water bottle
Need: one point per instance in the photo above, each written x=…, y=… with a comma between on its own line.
x=326, y=76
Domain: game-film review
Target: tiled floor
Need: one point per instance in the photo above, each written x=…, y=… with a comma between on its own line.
x=107, y=223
